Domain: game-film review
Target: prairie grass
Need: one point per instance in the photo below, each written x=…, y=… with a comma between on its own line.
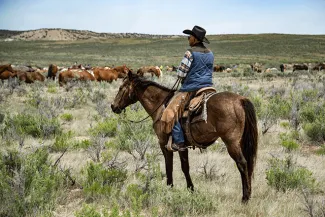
x=271, y=49
x=102, y=143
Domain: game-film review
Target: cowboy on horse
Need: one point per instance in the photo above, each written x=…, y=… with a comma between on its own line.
x=195, y=73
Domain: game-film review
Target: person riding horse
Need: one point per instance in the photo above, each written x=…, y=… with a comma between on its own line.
x=195, y=72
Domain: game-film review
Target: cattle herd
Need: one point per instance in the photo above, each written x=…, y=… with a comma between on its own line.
x=30, y=74
x=257, y=67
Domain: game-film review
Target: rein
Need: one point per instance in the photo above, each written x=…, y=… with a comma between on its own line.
x=175, y=86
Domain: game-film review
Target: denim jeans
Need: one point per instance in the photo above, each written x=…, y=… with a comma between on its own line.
x=177, y=133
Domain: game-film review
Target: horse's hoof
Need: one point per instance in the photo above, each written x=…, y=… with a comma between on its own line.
x=245, y=200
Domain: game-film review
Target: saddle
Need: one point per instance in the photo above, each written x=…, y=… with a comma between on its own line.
x=196, y=104
x=196, y=112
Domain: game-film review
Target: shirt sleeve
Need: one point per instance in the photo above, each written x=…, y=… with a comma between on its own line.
x=185, y=64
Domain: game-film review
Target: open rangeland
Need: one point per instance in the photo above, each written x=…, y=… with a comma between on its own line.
x=65, y=153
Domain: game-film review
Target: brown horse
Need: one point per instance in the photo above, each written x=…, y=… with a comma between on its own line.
x=30, y=77
x=6, y=72
x=153, y=70
x=230, y=116
x=74, y=74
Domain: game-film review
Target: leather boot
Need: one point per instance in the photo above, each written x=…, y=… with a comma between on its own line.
x=179, y=147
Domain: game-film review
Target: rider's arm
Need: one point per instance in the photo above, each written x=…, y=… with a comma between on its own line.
x=185, y=64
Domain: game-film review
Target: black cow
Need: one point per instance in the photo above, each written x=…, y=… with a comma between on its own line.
x=319, y=66
x=282, y=68
x=299, y=67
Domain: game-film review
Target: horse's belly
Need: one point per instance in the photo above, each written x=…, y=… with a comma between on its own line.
x=203, y=132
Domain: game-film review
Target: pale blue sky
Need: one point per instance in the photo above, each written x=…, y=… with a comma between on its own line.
x=166, y=16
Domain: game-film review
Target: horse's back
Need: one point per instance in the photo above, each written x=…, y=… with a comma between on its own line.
x=227, y=104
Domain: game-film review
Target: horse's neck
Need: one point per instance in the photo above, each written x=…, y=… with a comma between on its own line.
x=152, y=98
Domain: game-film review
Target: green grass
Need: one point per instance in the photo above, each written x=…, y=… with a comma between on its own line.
x=272, y=49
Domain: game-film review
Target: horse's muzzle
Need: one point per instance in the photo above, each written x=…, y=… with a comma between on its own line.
x=116, y=109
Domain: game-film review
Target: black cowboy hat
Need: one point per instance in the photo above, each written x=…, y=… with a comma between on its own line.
x=198, y=32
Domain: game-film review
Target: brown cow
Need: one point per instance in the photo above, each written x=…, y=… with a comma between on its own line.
x=81, y=75
x=153, y=70
x=6, y=72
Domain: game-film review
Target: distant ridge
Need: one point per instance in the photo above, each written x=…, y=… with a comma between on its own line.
x=70, y=35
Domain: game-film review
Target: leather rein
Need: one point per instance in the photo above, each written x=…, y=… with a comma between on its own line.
x=175, y=86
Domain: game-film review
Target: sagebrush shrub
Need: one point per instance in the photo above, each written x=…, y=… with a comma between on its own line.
x=100, y=181
x=321, y=151
x=285, y=174
x=87, y=211
x=315, y=131
x=105, y=128
x=135, y=138
x=67, y=117
x=289, y=140
x=62, y=142
x=34, y=125
x=83, y=144
x=30, y=185
x=248, y=72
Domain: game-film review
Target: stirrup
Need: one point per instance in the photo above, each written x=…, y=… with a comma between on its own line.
x=179, y=147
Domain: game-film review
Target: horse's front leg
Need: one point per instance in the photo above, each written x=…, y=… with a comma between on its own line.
x=168, y=164
x=183, y=155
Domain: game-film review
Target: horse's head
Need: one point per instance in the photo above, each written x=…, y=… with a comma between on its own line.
x=126, y=94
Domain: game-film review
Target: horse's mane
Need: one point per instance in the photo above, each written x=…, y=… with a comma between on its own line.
x=146, y=83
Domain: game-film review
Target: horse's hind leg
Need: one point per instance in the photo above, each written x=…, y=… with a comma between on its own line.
x=234, y=150
x=183, y=155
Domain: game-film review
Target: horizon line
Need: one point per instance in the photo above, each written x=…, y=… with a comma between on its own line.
x=262, y=33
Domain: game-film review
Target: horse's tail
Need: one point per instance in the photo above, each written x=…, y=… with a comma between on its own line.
x=250, y=136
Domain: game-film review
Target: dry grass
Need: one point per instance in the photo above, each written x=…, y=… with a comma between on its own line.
x=225, y=184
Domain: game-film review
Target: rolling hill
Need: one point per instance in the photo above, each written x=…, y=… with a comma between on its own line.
x=70, y=35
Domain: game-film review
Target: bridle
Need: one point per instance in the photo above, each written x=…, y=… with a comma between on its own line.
x=175, y=86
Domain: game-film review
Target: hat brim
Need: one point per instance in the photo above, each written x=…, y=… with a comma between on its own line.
x=190, y=32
